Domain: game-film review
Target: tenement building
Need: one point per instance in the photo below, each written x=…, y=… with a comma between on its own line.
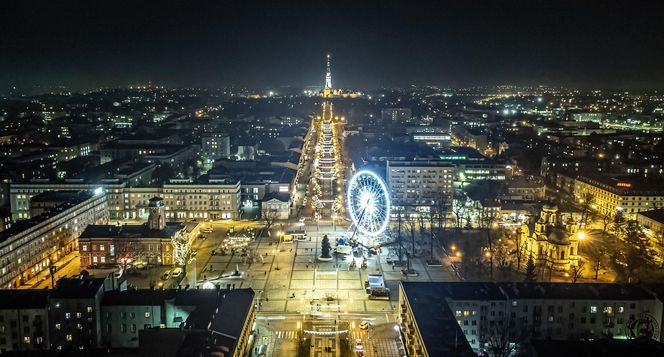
x=23, y=320
x=627, y=194
x=31, y=245
x=512, y=316
x=184, y=200
x=100, y=315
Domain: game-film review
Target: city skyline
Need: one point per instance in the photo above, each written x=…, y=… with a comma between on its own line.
x=392, y=44
x=337, y=179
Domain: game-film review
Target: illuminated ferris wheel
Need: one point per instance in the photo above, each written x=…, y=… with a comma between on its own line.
x=368, y=203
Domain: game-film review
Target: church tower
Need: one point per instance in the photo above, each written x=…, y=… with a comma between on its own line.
x=157, y=217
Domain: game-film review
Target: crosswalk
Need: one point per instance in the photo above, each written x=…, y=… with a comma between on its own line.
x=286, y=335
x=292, y=334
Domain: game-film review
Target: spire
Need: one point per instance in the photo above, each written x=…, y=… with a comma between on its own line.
x=328, y=75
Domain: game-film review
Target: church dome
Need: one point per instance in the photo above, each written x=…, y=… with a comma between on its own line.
x=558, y=236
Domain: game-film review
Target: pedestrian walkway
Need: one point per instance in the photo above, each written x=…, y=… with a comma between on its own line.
x=380, y=347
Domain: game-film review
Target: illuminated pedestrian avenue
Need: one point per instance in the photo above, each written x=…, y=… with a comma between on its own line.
x=326, y=185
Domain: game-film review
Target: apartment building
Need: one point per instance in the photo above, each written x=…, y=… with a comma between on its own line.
x=30, y=246
x=100, y=315
x=524, y=312
x=23, y=320
x=627, y=194
x=185, y=200
x=419, y=182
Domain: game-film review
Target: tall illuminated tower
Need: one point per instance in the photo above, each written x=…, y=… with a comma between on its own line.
x=327, y=91
x=328, y=74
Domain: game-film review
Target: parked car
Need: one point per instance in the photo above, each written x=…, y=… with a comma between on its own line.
x=176, y=273
x=166, y=275
x=207, y=230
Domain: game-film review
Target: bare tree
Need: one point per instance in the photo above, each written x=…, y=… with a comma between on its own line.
x=459, y=209
x=410, y=224
x=599, y=252
x=269, y=216
x=576, y=271
x=587, y=201
x=499, y=341
x=439, y=209
x=127, y=251
x=607, y=218
x=487, y=219
x=519, y=249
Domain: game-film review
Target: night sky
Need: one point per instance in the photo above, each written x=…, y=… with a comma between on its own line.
x=80, y=44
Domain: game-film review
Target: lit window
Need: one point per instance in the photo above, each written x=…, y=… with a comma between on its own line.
x=84, y=247
x=70, y=338
x=26, y=339
x=147, y=314
x=89, y=308
x=58, y=326
x=67, y=315
x=593, y=309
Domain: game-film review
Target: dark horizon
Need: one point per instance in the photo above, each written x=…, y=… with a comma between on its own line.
x=81, y=45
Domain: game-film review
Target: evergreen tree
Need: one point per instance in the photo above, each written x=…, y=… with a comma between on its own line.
x=325, y=247
x=636, y=252
x=619, y=224
x=531, y=275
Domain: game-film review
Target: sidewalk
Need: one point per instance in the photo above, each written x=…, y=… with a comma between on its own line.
x=44, y=277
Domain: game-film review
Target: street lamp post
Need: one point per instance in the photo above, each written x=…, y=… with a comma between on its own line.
x=52, y=269
x=193, y=260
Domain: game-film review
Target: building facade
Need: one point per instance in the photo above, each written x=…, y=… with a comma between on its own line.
x=217, y=199
x=151, y=243
x=490, y=314
x=215, y=146
x=100, y=314
x=420, y=183
x=30, y=246
x=610, y=194
x=23, y=320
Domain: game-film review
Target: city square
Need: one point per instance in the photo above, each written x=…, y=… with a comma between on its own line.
x=331, y=179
